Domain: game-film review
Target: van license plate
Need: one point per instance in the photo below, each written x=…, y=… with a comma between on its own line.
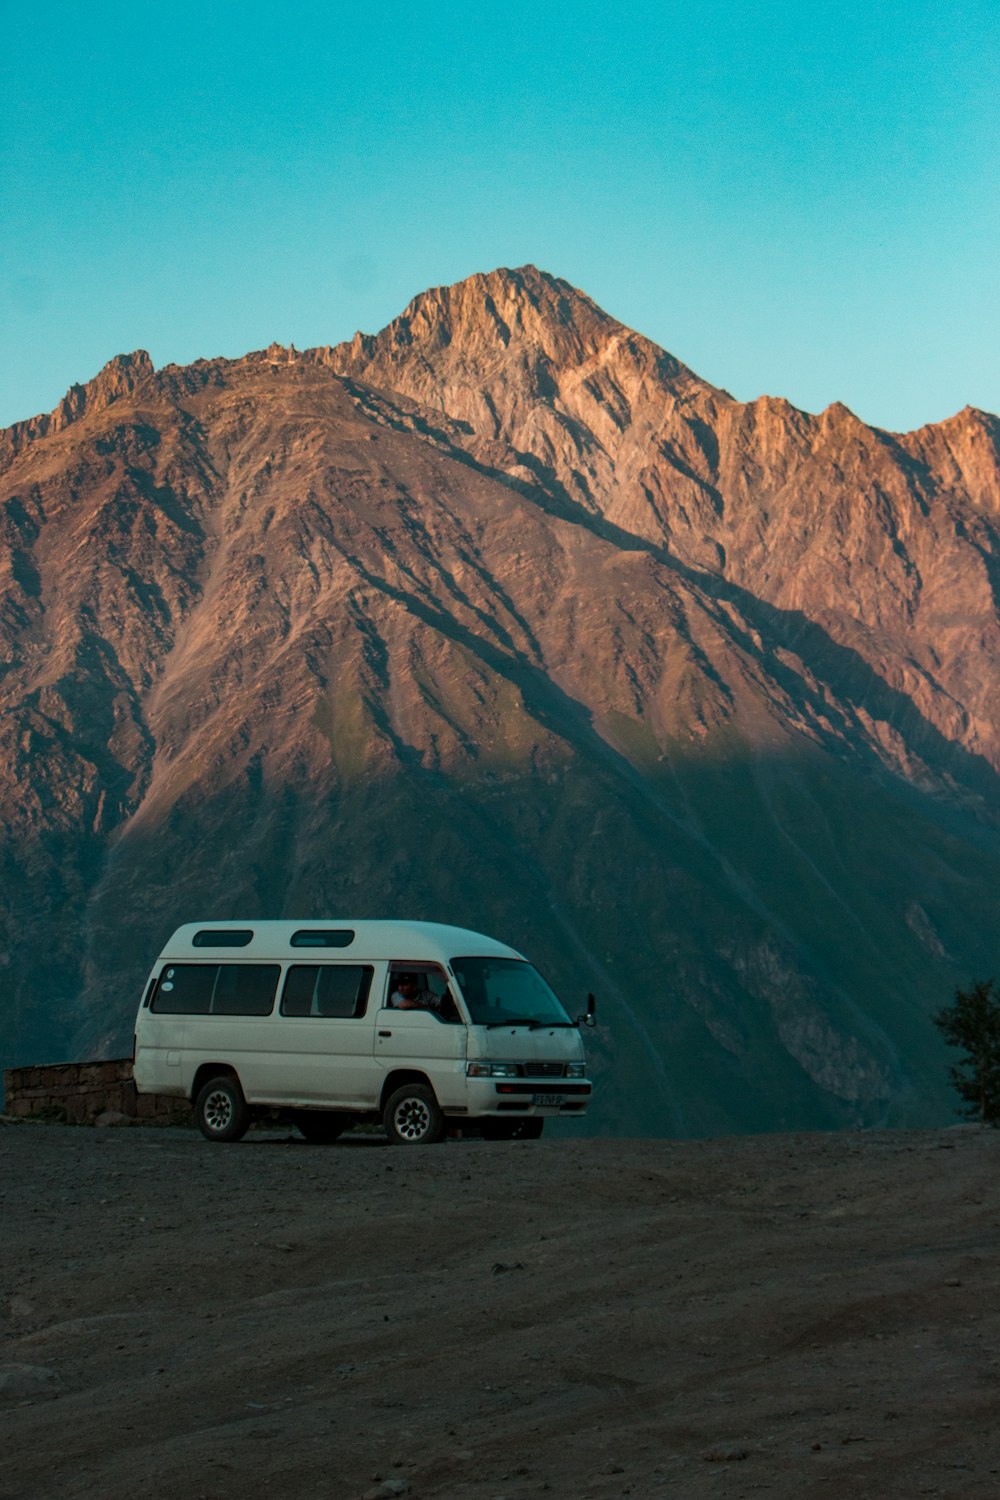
x=548, y=1099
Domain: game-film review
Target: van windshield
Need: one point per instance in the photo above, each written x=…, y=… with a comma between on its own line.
x=507, y=992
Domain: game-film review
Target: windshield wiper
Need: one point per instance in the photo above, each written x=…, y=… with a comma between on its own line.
x=516, y=1021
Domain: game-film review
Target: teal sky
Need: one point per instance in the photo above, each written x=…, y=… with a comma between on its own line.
x=797, y=199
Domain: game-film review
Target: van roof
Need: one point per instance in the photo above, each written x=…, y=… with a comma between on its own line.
x=368, y=939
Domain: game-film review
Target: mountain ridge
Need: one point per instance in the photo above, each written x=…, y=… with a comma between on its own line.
x=80, y=397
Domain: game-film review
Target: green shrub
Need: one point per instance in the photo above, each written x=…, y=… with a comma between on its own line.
x=973, y=1024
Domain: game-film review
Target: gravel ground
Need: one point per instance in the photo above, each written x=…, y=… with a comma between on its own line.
x=781, y=1315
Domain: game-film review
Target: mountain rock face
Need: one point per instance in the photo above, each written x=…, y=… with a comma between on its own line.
x=503, y=617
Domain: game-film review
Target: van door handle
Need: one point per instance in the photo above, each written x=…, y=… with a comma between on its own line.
x=385, y=1033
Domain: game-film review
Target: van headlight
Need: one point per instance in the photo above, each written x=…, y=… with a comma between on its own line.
x=491, y=1070
x=576, y=1070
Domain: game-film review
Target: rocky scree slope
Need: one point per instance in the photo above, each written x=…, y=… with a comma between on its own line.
x=504, y=617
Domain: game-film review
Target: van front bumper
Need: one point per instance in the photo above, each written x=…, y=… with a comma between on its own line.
x=568, y=1097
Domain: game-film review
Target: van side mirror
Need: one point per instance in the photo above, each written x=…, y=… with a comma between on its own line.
x=587, y=1019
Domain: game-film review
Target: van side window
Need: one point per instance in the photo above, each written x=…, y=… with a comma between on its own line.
x=216, y=989
x=245, y=989
x=326, y=990
x=421, y=986
x=185, y=990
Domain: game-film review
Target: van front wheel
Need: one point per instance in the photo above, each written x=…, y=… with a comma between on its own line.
x=413, y=1117
x=221, y=1110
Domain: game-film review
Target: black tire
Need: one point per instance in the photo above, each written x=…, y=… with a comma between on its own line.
x=512, y=1130
x=221, y=1110
x=412, y=1116
x=321, y=1126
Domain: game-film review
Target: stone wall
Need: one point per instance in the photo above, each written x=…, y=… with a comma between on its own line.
x=86, y=1093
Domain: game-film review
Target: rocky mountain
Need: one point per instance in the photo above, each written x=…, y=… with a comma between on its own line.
x=504, y=617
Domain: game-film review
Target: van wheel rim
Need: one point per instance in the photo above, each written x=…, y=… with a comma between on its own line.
x=218, y=1111
x=413, y=1119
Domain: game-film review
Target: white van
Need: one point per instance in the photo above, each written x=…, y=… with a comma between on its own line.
x=418, y=1025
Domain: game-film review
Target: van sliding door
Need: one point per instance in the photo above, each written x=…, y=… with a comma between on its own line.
x=320, y=1047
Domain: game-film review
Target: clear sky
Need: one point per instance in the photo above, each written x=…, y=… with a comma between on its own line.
x=797, y=197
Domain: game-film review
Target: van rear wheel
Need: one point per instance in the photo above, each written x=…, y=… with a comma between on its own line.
x=321, y=1126
x=413, y=1117
x=221, y=1110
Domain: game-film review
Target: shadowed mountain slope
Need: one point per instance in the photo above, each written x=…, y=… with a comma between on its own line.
x=504, y=617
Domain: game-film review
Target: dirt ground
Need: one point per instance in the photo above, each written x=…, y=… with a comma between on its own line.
x=781, y=1315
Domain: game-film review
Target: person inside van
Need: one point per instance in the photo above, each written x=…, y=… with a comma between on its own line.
x=407, y=995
